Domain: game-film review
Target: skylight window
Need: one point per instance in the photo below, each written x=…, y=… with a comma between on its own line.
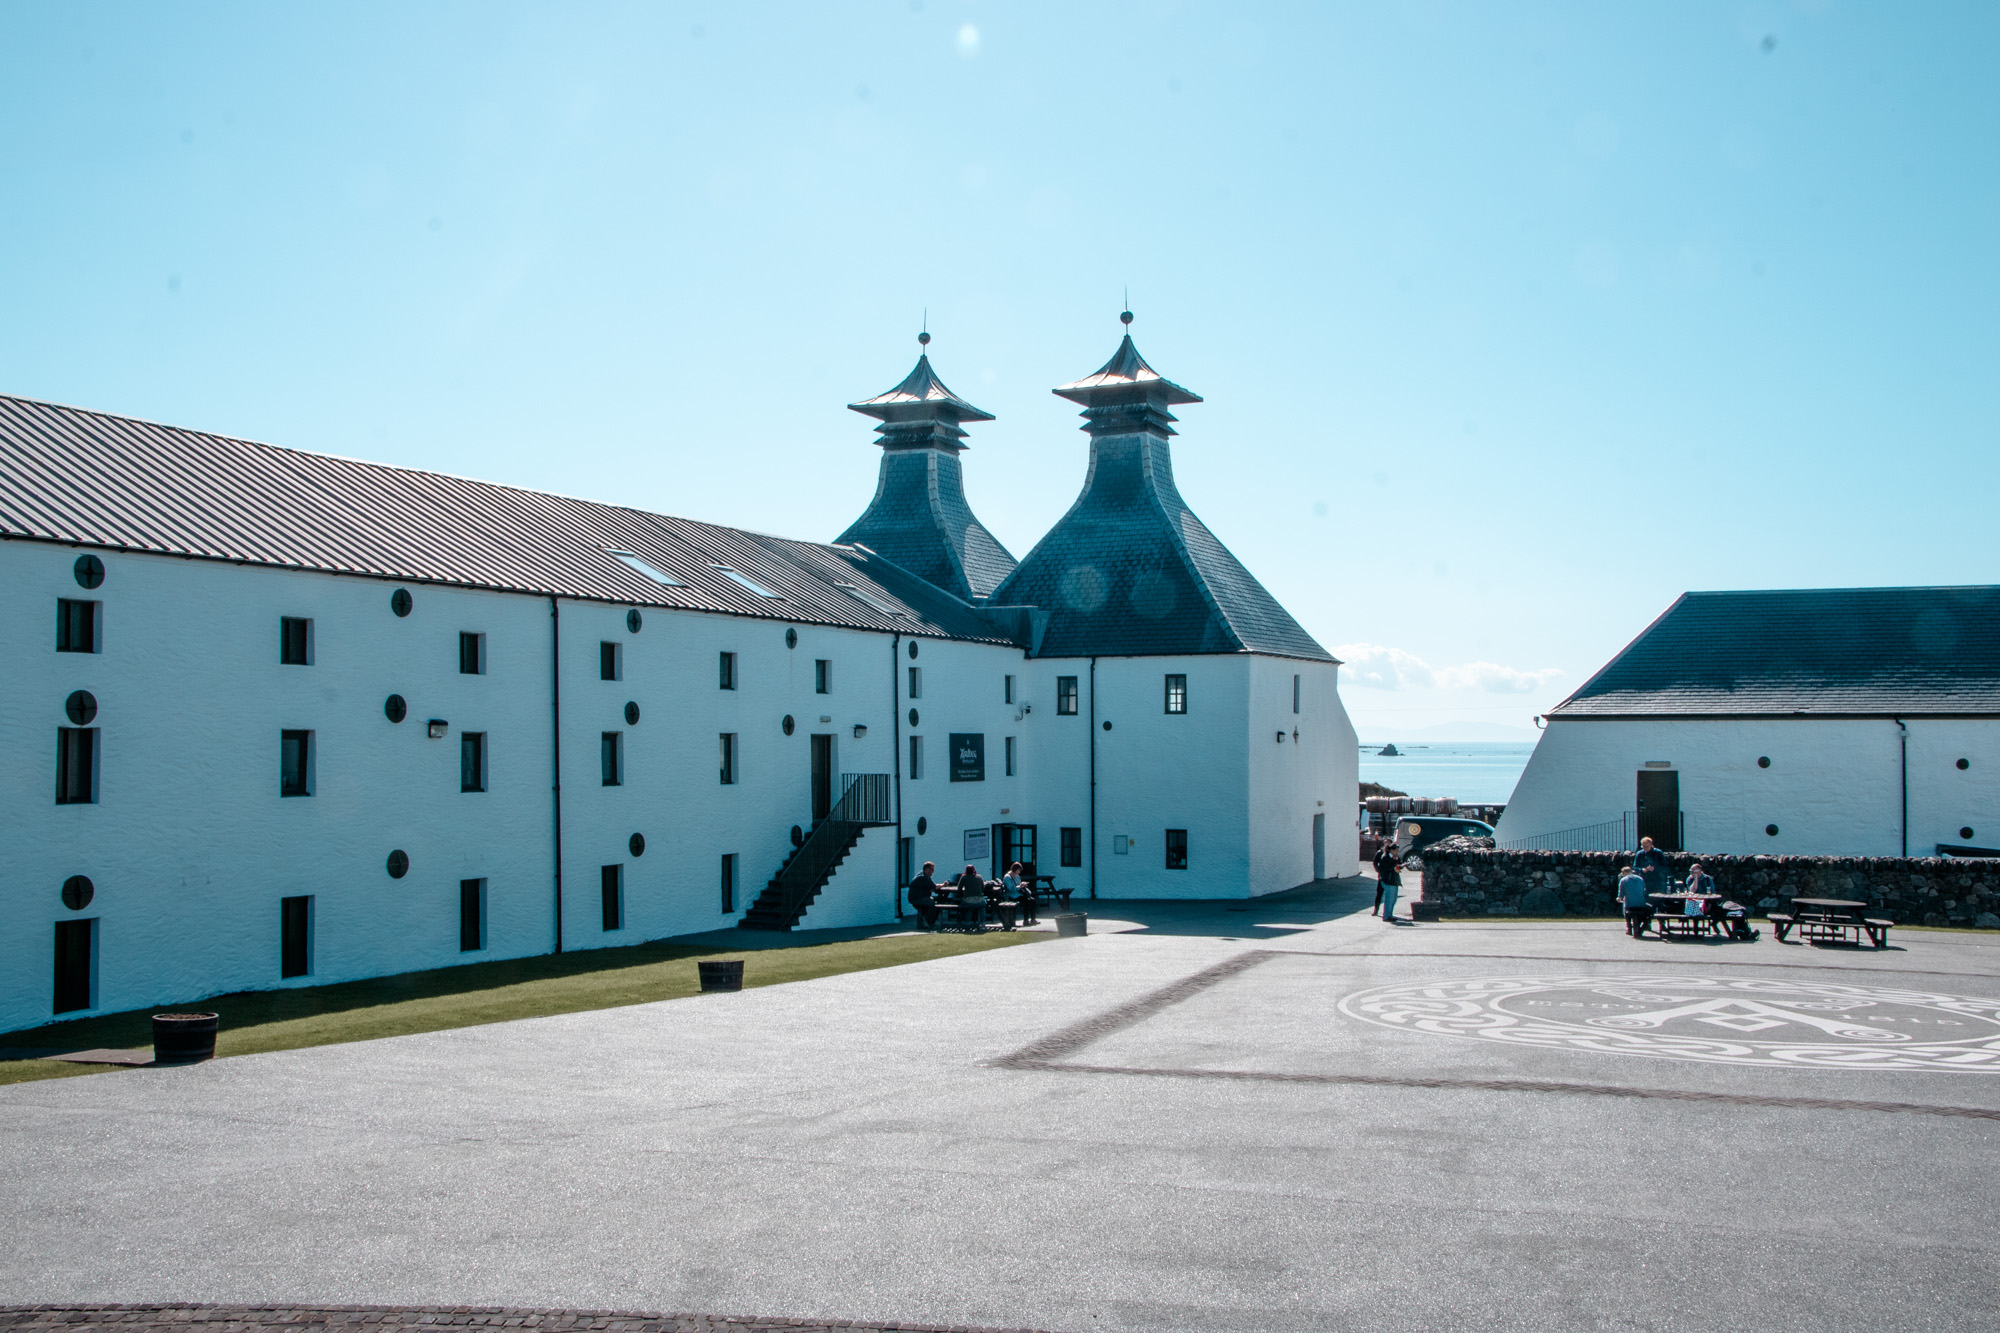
x=755, y=587
x=642, y=567
x=875, y=602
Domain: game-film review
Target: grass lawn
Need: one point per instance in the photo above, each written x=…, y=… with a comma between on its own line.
x=454, y=997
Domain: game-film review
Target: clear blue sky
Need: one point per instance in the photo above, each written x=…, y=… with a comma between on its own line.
x=1514, y=321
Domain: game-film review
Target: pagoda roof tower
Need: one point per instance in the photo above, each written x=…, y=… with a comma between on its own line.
x=1130, y=570
x=919, y=518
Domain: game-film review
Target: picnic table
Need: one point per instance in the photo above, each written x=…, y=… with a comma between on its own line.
x=1671, y=916
x=1046, y=889
x=1832, y=921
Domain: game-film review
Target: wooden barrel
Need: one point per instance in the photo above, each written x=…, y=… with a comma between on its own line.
x=183, y=1039
x=721, y=973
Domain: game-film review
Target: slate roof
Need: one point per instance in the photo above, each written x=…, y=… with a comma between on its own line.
x=1876, y=652
x=92, y=479
x=920, y=519
x=1130, y=570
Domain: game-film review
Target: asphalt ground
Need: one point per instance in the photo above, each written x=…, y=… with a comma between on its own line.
x=1285, y=1116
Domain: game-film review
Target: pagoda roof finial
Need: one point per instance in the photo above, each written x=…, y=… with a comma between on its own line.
x=922, y=410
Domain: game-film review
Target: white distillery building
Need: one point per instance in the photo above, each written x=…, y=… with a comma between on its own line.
x=277, y=718
x=1828, y=722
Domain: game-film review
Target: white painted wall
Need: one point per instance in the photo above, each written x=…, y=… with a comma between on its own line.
x=1833, y=787
x=191, y=847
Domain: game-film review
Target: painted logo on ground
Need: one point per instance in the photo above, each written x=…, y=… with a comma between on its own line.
x=1740, y=1021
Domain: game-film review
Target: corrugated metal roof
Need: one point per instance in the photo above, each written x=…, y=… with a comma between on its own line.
x=92, y=479
x=1879, y=652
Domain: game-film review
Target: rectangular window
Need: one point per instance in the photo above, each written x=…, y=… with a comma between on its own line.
x=728, y=883
x=295, y=936
x=610, y=661
x=1177, y=694
x=1007, y=690
x=916, y=757
x=729, y=671
x=1295, y=694
x=471, y=915
x=76, y=625
x=1066, y=695
x=728, y=758
x=76, y=765
x=611, y=754
x=906, y=859
x=1177, y=849
x=1010, y=756
x=916, y=690
x=612, y=879
x=76, y=964
x=735, y=577
x=822, y=676
x=639, y=566
x=295, y=760
x=1072, y=846
x=471, y=654
x=294, y=641
x=472, y=761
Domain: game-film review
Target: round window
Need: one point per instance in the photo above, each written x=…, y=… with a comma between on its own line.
x=913, y=717
x=1107, y=726
x=1964, y=764
x=400, y=601
x=394, y=708
x=1965, y=833
x=791, y=638
x=913, y=647
x=1771, y=830
x=633, y=620
x=631, y=713
x=798, y=836
x=77, y=891
x=1764, y=761
x=788, y=724
x=637, y=842
x=923, y=825
x=81, y=707
x=89, y=571
x=399, y=863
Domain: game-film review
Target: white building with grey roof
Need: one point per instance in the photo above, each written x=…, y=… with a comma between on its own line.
x=302, y=719
x=1824, y=722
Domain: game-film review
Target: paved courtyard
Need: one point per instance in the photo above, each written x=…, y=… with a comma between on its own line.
x=1280, y=1116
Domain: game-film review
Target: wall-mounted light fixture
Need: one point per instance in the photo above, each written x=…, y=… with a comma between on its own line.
x=826, y=717
x=437, y=728
x=860, y=730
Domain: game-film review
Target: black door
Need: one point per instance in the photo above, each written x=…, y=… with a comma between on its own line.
x=822, y=753
x=73, y=965
x=1011, y=843
x=1660, y=808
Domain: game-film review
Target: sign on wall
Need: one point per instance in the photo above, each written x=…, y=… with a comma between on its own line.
x=968, y=756
x=978, y=844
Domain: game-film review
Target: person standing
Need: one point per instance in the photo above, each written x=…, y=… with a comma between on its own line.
x=923, y=896
x=1632, y=893
x=1651, y=865
x=1388, y=877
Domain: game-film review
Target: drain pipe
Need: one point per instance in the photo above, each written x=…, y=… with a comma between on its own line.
x=896, y=757
x=555, y=747
x=1903, y=740
x=1093, y=777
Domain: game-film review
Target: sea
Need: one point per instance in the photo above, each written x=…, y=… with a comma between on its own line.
x=1475, y=772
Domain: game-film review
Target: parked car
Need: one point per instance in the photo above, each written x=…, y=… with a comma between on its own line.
x=1416, y=832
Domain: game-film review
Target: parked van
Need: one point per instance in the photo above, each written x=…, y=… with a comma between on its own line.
x=1415, y=832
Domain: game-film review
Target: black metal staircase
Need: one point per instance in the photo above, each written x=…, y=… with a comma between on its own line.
x=863, y=804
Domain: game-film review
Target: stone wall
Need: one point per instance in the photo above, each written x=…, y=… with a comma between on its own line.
x=1928, y=891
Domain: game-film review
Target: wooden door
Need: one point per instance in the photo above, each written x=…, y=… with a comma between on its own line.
x=1319, y=846
x=1659, y=807
x=822, y=777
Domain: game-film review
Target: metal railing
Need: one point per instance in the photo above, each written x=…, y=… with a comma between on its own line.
x=864, y=799
x=1613, y=835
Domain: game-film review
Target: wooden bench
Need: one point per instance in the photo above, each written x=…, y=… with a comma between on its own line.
x=1878, y=930
x=1673, y=924
x=1781, y=925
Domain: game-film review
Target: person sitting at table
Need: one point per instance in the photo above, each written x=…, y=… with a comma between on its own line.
x=971, y=886
x=1632, y=893
x=1016, y=885
x=923, y=896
